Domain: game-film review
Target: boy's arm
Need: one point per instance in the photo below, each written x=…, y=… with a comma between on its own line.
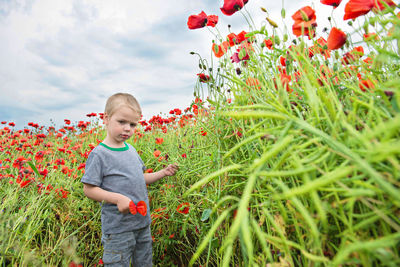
x=98, y=194
x=155, y=176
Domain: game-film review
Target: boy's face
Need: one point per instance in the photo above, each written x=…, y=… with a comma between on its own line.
x=121, y=125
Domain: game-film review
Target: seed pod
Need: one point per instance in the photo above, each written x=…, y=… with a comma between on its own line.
x=271, y=22
x=283, y=13
x=337, y=56
x=277, y=40
x=285, y=37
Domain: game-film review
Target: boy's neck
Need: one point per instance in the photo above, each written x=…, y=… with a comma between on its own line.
x=113, y=144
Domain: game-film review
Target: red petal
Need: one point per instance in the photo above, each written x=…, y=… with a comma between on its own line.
x=132, y=208
x=336, y=39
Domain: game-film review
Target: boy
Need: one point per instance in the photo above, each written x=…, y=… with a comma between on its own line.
x=114, y=176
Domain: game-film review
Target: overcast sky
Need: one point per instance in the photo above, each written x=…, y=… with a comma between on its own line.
x=61, y=59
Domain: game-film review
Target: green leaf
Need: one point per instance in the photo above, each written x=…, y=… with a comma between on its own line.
x=34, y=168
x=395, y=105
x=205, y=215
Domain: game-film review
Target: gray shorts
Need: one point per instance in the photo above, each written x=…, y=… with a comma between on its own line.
x=132, y=248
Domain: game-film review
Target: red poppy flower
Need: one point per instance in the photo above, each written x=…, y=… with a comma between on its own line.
x=39, y=156
x=183, y=208
x=268, y=43
x=177, y=111
x=159, y=141
x=353, y=55
x=219, y=50
x=304, y=22
x=253, y=82
x=370, y=36
x=156, y=153
x=282, y=60
x=232, y=39
x=336, y=39
x=321, y=47
x=356, y=8
x=212, y=20
x=203, y=77
x=365, y=84
x=24, y=183
x=197, y=21
x=73, y=264
x=231, y=6
x=241, y=37
x=304, y=14
x=140, y=207
x=382, y=4
x=334, y=3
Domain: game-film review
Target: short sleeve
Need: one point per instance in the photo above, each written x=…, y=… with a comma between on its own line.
x=93, y=170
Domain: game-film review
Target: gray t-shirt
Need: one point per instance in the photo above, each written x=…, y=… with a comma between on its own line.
x=118, y=170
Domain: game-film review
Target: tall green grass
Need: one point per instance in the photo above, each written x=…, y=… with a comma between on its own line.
x=315, y=177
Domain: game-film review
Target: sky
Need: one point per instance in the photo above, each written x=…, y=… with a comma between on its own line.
x=63, y=59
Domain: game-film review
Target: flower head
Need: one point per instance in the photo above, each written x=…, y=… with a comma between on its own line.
x=203, y=77
x=197, y=21
x=336, y=39
x=231, y=6
x=183, y=208
x=304, y=22
x=356, y=8
x=334, y=3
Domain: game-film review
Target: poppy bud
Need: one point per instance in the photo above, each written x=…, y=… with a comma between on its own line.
x=263, y=9
x=283, y=13
x=285, y=37
x=389, y=94
x=192, y=53
x=337, y=56
x=277, y=40
x=271, y=22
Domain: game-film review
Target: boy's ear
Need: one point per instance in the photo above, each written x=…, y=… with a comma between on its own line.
x=105, y=118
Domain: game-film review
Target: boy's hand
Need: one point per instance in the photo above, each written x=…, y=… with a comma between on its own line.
x=170, y=170
x=123, y=204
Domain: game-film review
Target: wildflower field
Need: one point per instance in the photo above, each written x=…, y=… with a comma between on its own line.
x=289, y=154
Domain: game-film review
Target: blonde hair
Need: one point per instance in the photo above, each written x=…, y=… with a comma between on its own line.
x=119, y=100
